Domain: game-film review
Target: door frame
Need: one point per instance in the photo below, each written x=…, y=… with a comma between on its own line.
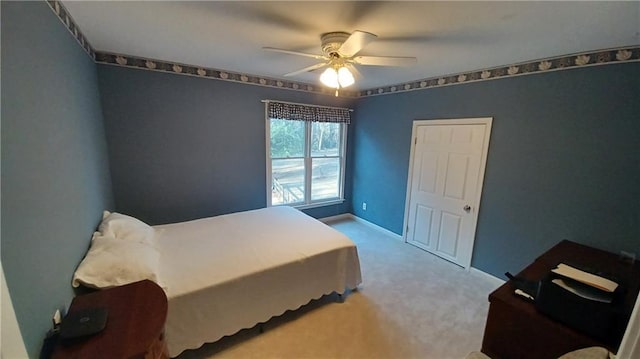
x=487, y=121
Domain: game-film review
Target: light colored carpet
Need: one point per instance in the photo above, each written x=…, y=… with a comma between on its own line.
x=411, y=304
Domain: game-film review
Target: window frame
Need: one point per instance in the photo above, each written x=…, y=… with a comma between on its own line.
x=308, y=168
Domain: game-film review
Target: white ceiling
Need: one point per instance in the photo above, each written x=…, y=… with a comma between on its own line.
x=446, y=37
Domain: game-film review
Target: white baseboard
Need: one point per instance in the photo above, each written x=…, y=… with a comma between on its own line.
x=344, y=216
x=497, y=281
x=339, y=217
x=377, y=227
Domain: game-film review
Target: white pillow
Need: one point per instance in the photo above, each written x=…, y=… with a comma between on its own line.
x=112, y=262
x=121, y=226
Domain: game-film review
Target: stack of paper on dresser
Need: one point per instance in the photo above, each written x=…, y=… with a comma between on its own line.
x=584, y=284
x=584, y=301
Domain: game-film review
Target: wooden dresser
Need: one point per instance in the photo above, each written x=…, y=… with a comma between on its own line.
x=515, y=329
x=135, y=324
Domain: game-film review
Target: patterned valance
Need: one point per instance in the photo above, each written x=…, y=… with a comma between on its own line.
x=299, y=112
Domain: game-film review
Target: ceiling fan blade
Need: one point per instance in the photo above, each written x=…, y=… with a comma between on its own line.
x=458, y=37
x=407, y=38
x=354, y=70
x=317, y=57
x=385, y=60
x=360, y=10
x=307, y=69
x=265, y=15
x=356, y=42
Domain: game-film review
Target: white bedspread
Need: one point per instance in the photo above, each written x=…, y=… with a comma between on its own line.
x=230, y=272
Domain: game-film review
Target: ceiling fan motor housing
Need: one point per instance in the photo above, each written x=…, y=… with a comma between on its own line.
x=331, y=42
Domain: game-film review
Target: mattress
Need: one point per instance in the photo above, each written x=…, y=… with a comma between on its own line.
x=226, y=273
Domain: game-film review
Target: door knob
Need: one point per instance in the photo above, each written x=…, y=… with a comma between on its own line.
x=467, y=208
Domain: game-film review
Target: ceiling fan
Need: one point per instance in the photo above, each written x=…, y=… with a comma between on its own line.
x=339, y=56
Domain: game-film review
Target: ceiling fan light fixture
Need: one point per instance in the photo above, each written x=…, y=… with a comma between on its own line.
x=339, y=55
x=330, y=78
x=337, y=79
x=345, y=77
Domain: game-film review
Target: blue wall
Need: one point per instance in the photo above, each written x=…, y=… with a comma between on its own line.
x=184, y=147
x=564, y=160
x=55, y=178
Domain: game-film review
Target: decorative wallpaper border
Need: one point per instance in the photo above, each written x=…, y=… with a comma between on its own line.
x=71, y=25
x=566, y=62
x=205, y=72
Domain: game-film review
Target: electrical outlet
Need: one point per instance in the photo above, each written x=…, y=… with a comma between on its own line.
x=627, y=257
x=364, y=206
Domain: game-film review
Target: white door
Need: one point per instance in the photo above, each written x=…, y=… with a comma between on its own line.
x=444, y=186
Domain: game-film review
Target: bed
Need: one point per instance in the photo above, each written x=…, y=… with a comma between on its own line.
x=231, y=272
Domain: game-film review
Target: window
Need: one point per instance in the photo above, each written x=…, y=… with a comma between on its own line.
x=305, y=164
